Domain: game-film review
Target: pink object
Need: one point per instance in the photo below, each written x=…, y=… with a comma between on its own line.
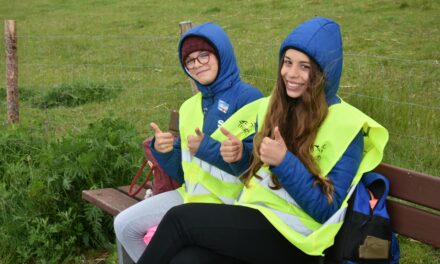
x=149, y=235
x=373, y=200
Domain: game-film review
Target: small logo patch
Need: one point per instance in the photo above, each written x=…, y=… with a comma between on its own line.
x=223, y=106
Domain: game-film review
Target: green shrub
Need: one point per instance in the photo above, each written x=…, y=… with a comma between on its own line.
x=43, y=218
x=77, y=93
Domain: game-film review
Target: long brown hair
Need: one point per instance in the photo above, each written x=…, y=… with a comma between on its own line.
x=298, y=120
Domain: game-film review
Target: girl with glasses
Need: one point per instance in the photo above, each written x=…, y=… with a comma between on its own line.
x=206, y=55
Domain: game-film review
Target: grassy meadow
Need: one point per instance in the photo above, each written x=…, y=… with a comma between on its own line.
x=126, y=51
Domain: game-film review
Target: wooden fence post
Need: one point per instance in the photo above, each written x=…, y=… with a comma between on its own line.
x=11, y=71
x=184, y=27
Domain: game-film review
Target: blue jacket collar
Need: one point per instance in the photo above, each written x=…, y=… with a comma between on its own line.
x=320, y=38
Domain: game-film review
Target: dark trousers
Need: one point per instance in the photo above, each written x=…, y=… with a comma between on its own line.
x=212, y=233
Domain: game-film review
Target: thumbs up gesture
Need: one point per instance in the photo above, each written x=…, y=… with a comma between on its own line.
x=232, y=148
x=163, y=140
x=194, y=141
x=272, y=151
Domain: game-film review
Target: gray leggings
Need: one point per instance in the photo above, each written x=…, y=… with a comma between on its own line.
x=132, y=223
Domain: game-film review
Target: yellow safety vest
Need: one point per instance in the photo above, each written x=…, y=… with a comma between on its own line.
x=340, y=127
x=203, y=181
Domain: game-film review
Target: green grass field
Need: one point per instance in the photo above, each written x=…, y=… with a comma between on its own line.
x=391, y=64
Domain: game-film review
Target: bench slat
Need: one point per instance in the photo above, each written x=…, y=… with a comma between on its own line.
x=110, y=200
x=173, y=126
x=140, y=196
x=412, y=186
x=415, y=223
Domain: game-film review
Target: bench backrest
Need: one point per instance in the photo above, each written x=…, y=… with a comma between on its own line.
x=414, y=204
x=173, y=126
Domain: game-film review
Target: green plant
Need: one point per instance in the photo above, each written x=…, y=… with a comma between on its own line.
x=40, y=189
x=77, y=93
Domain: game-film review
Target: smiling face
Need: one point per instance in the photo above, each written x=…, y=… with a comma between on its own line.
x=295, y=72
x=202, y=66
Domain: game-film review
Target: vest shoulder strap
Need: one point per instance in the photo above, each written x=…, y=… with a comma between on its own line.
x=241, y=123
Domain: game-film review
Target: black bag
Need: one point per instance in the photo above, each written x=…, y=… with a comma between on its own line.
x=366, y=235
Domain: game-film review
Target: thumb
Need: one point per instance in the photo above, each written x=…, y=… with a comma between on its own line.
x=198, y=132
x=227, y=133
x=155, y=128
x=277, y=135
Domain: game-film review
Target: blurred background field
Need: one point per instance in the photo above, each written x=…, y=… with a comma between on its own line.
x=94, y=74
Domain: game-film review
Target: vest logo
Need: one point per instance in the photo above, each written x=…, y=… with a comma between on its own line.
x=318, y=150
x=245, y=126
x=223, y=106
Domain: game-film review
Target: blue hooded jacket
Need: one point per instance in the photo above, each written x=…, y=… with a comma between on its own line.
x=320, y=39
x=220, y=99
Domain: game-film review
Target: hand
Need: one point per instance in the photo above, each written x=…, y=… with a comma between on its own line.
x=273, y=151
x=194, y=141
x=163, y=140
x=232, y=148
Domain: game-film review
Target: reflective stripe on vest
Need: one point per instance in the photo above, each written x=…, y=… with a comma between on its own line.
x=205, y=182
x=341, y=125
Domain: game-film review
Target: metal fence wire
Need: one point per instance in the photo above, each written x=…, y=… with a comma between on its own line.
x=403, y=95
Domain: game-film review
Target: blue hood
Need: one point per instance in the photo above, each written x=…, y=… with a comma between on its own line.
x=229, y=72
x=320, y=38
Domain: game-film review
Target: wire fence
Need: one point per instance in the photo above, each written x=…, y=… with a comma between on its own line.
x=401, y=94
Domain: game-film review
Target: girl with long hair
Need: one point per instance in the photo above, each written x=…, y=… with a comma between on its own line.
x=310, y=152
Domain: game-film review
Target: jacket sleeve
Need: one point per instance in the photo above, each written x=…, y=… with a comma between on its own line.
x=242, y=165
x=209, y=151
x=170, y=162
x=238, y=167
x=298, y=181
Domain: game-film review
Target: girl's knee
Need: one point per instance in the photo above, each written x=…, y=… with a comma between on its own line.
x=180, y=210
x=118, y=224
x=122, y=221
x=175, y=211
x=184, y=214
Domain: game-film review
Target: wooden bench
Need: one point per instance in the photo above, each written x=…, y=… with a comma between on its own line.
x=115, y=200
x=414, y=203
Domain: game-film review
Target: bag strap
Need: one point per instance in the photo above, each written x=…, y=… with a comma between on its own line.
x=138, y=174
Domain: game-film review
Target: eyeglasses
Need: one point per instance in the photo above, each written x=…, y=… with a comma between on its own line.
x=202, y=58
